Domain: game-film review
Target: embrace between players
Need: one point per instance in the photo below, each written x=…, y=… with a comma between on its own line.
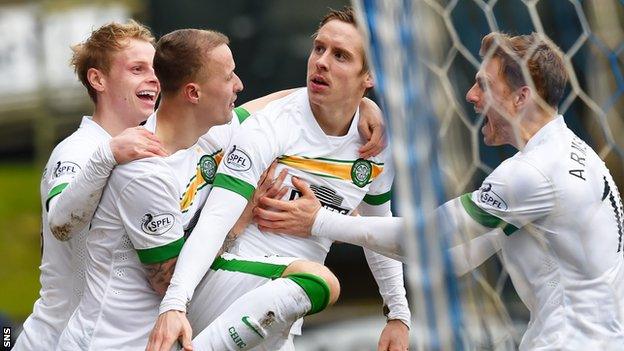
x=170, y=204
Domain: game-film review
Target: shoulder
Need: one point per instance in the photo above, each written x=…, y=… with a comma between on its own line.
x=148, y=170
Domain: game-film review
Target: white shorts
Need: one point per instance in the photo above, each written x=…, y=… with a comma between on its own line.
x=229, y=278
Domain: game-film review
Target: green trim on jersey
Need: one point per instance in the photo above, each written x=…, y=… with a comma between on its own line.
x=484, y=218
x=242, y=114
x=379, y=199
x=160, y=253
x=55, y=191
x=261, y=269
x=236, y=185
x=315, y=287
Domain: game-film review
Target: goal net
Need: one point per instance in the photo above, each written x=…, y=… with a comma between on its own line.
x=424, y=55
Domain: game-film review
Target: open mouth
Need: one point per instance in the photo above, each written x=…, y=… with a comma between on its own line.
x=147, y=95
x=319, y=81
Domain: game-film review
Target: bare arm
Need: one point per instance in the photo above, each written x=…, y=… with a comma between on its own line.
x=159, y=275
x=259, y=103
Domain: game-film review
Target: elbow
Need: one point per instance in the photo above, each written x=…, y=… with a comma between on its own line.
x=61, y=231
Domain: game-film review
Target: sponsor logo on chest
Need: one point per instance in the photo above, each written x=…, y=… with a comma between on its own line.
x=157, y=224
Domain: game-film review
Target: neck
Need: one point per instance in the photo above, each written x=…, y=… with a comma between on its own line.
x=334, y=120
x=111, y=121
x=531, y=123
x=178, y=126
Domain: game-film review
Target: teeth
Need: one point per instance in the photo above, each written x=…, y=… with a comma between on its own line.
x=147, y=93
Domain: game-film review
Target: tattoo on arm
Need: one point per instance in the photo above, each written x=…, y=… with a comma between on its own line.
x=159, y=275
x=228, y=242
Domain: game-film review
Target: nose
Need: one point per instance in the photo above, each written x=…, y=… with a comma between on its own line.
x=151, y=77
x=321, y=61
x=472, y=96
x=238, y=86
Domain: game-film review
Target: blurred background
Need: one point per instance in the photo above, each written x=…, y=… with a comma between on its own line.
x=41, y=102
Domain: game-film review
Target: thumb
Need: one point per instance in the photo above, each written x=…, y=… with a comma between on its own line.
x=302, y=186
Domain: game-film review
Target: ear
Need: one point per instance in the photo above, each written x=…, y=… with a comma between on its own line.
x=192, y=93
x=96, y=79
x=368, y=80
x=522, y=96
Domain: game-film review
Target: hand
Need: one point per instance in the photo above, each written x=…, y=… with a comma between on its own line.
x=372, y=129
x=136, y=143
x=170, y=326
x=394, y=337
x=289, y=217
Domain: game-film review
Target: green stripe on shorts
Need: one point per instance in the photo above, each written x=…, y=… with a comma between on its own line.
x=261, y=269
x=484, y=218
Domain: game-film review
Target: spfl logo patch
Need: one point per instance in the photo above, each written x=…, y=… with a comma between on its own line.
x=208, y=168
x=157, y=224
x=361, y=172
x=65, y=168
x=238, y=160
x=487, y=196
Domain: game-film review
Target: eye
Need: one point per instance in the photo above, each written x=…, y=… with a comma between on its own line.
x=341, y=57
x=137, y=69
x=318, y=49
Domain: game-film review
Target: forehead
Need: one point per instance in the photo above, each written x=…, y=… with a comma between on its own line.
x=135, y=50
x=220, y=59
x=490, y=70
x=341, y=34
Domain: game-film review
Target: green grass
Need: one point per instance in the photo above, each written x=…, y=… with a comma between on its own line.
x=20, y=215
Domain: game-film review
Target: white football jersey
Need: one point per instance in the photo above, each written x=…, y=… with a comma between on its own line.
x=286, y=130
x=62, y=263
x=145, y=210
x=562, y=215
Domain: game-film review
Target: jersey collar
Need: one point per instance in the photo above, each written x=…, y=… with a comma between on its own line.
x=88, y=123
x=546, y=132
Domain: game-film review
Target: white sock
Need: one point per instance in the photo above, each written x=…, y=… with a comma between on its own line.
x=269, y=309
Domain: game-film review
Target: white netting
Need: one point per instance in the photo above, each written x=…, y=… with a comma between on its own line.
x=425, y=55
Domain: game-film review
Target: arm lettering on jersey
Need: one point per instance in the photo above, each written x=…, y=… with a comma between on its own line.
x=159, y=274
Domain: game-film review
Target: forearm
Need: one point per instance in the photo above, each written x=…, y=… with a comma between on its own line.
x=388, y=274
x=71, y=210
x=221, y=211
x=380, y=234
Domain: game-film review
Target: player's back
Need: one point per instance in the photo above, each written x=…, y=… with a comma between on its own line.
x=145, y=209
x=574, y=282
x=62, y=262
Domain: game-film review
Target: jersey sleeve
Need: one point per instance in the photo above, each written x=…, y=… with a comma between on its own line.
x=250, y=152
x=150, y=213
x=513, y=195
x=380, y=190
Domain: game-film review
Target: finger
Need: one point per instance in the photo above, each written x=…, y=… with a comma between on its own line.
x=276, y=186
x=269, y=226
x=276, y=204
x=281, y=193
x=302, y=186
x=156, y=150
x=269, y=215
x=186, y=340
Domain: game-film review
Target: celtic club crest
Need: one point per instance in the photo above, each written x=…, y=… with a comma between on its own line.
x=208, y=168
x=361, y=172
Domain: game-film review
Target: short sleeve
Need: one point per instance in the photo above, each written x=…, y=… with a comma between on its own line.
x=513, y=195
x=150, y=213
x=380, y=190
x=64, y=165
x=250, y=152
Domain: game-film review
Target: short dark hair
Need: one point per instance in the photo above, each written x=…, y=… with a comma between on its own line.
x=181, y=55
x=545, y=64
